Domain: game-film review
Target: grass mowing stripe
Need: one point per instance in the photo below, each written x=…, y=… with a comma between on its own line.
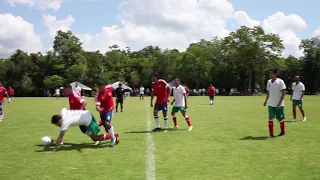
x=151, y=167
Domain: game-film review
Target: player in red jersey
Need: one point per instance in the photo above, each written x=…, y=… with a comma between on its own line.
x=162, y=90
x=11, y=93
x=212, y=93
x=3, y=92
x=105, y=106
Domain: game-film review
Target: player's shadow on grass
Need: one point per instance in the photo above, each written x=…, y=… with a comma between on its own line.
x=254, y=138
x=72, y=146
x=145, y=132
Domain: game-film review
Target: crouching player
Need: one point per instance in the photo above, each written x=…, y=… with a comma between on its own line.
x=77, y=118
x=180, y=104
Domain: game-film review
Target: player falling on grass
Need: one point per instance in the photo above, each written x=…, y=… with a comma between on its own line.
x=211, y=93
x=85, y=118
x=180, y=102
x=276, y=90
x=162, y=90
x=3, y=92
x=76, y=102
x=141, y=92
x=119, y=97
x=297, y=98
x=10, y=93
x=105, y=106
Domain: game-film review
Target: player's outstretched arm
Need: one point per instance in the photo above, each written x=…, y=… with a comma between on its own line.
x=59, y=140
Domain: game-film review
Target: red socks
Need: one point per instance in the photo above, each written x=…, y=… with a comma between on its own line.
x=108, y=136
x=175, y=121
x=294, y=113
x=188, y=121
x=271, y=128
x=282, y=126
x=302, y=112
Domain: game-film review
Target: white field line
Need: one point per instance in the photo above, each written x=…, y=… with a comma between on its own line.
x=151, y=166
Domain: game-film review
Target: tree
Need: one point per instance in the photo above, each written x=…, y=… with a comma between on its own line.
x=53, y=81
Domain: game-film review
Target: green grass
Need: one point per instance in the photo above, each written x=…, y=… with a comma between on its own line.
x=217, y=148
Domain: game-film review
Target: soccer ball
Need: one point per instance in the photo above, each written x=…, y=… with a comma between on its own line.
x=46, y=140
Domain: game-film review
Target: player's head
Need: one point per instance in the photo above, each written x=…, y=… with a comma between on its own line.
x=273, y=73
x=297, y=78
x=120, y=85
x=211, y=84
x=155, y=77
x=101, y=86
x=67, y=88
x=56, y=120
x=176, y=82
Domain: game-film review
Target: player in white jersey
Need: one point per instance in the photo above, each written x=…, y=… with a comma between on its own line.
x=180, y=102
x=297, y=98
x=69, y=118
x=276, y=90
x=141, y=92
x=57, y=93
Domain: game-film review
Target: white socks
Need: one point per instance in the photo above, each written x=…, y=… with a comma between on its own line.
x=156, y=118
x=111, y=132
x=166, y=122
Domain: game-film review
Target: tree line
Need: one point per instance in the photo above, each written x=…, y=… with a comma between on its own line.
x=241, y=60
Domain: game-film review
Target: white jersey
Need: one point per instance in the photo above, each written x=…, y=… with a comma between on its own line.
x=297, y=90
x=178, y=93
x=141, y=90
x=57, y=91
x=74, y=118
x=275, y=90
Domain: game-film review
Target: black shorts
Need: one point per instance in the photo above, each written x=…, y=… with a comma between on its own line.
x=211, y=97
x=119, y=101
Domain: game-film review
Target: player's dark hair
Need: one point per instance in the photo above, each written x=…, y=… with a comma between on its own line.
x=100, y=83
x=274, y=70
x=55, y=119
x=120, y=84
x=155, y=74
x=67, y=85
x=177, y=79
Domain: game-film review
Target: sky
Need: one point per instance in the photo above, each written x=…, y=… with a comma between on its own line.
x=31, y=25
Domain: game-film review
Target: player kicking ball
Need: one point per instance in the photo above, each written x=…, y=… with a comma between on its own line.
x=180, y=102
x=69, y=118
x=276, y=90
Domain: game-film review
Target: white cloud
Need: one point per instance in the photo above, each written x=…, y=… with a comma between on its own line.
x=242, y=19
x=40, y=4
x=169, y=24
x=54, y=25
x=316, y=32
x=286, y=27
x=16, y=33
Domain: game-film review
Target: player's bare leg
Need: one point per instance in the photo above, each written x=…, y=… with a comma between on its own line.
x=165, y=118
x=294, y=112
x=1, y=114
x=175, y=121
x=156, y=119
x=302, y=113
x=282, y=127
x=187, y=118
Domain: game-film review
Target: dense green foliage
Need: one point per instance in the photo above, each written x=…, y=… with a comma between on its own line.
x=240, y=60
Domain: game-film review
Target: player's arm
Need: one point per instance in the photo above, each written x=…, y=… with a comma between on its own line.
x=267, y=97
x=84, y=104
x=59, y=140
x=168, y=89
x=185, y=100
x=98, y=103
x=283, y=93
x=152, y=96
x=291, y=92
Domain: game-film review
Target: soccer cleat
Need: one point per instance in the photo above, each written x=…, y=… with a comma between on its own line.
x=269, y=137
x=304, y=118
x=281, y=134
x=175, y=127
x=113, y=142
x=165, y=130
x=190, y=128
x=61, y=143
x=294, y=120
x=156, y=129
x=96, y=142
x=117, y=140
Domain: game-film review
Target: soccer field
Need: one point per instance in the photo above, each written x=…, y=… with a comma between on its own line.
x=227, y=142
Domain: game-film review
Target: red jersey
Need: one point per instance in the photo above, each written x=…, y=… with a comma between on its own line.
x=3, y=91
x=105, y=100
x=187, y=90
x=160, y=89
x=75, y=101
x=11, y=91
x=212, y=91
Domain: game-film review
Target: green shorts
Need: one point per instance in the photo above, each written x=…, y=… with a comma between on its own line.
x=276, y=113
x=141, y=95
x=178, y=108
x=93, y=127
x=296, y=102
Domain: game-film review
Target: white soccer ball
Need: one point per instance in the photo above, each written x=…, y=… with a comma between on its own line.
x=46, y=140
